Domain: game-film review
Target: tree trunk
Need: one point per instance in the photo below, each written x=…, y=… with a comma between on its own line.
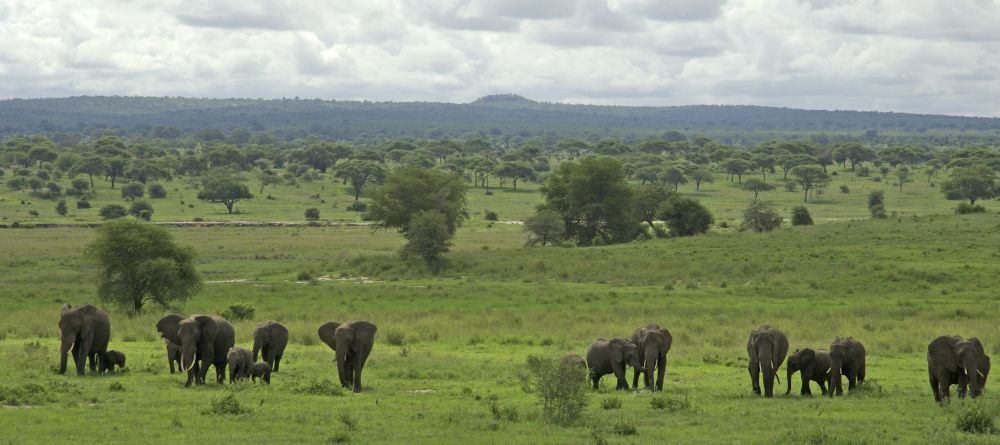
x=806, y=197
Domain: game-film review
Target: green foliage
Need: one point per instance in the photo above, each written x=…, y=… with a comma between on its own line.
x=801, y=216
x=113, y=211
x=685, y=216
x=611, y=403
x=544, y=227
x=409, y=191
x=227, y=405
x=761, y=217
x=312, y=214
x=975, y=419
x=61, y=208
x=315, y=387
x=845, y=189
x=756, y=186
x=395, y=338
x=157, y=190
x=359, y=173
x=964, y=208
x=138, y=207
x=594, y=200
x=972, y=183
x=357, y=206
x=223, y=188
x=428, y=236
x=132, y=191
x=238, y=312
x=876, y=204
x=810, y=177
x=562, y=387
x=139, y=264
x=648, y=200
x=490, y=215
x=83, y=204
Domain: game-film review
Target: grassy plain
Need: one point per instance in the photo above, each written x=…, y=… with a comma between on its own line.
x=466, y=333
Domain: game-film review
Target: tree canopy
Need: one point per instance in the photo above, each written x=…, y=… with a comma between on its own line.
x=594, y=200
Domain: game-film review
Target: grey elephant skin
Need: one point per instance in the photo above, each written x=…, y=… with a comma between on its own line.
x=610, y=357
x=204, y=340
x=167, y=327
x=262, y=371
x=270, y=339
x=952, y=360
x=767, y=348
x=574, y=359
x=814, y=366
x=111, y=359
x=239, y=360
x=847, y=357
x=654, y=343
x=352, y=341
x=84, y=331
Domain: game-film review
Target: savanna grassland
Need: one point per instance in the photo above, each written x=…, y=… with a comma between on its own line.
x=449, y=361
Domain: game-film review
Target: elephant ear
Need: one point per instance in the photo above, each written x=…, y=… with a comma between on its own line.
x=326, y=333
x=942, y=351
x=807, y=355
x=668, y=340
x=617, y=350
x=209, y=328
x=168, y=326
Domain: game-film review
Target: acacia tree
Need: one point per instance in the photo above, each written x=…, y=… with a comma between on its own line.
x=810, y=177
x=139, y=264
x=648, y=199
x=594, y=200
x=673, y=176
x=544, y=227
x=91, y=165
x=516, y=170
x=972, y=183
x=756, y=186
x=902, y=173
x=702, y=175
x=223, y=188
x=359, y=173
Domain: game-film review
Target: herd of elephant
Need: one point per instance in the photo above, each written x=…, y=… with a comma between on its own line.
x=951, y=360
x=198, y=342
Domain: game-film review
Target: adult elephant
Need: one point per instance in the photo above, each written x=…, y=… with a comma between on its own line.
x=270, y=338
x=352, y=341
x=167, y=327
x=610, y=357
x=767, y=348
x=204, y=340
x=654, y=344
x=847, y=357
x=953, y=360
x=84, y=330
x=814, y=366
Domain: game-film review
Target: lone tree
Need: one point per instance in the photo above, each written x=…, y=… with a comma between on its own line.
x=903, y=174
x=140, y=263
x=359, y=173
x=225, y=189
x=810, y=177
x=685, y=216
x=673, y=176
x=756, y=186
x=544, y=227
x=412, y=191
x=702, y=175
x=972, y=183
x=427, y=237
x=594, y=200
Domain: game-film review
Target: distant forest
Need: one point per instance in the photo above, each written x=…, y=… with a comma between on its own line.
x=497, y=116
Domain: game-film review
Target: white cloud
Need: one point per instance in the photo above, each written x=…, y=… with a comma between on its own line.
x=901, y=55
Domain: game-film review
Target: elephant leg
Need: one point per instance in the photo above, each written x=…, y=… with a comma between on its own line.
x=822, y=386
x=635, y=377
x=806, y=377
x=191, y=377
x=94, y=359
x=661, y=369
x=619, y=370
x=359, y=365
x=596, y=379
x=277, y=363
x=342, y=367
x=81, y=357
x=754, y=377
x=170, y=360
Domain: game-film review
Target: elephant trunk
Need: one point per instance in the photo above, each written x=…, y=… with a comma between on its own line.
x=66, y=345
x=834, y=384
x=187, y=357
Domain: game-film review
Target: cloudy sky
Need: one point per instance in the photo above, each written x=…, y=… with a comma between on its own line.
x=928, y=56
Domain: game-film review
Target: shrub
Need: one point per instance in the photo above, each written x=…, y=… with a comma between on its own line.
x=132, y=191
x=878, y=211
x=238, y=312
x=145, y=215
x=61, y=208
x=357, y=206
x=624, y=428
x=864, y=171
x=545, y=227
x=54, y=188
x=43, y=174
x=427, y=237
x=323, y=387
x=157, y=191
x=789, y=186
x=116, y=387
x=395, y=338
x=79, y=186
x=83, y=204
x=966, y=208
x=226, y=405
x=801, y=217
x=562, y=388
x=976, y=420
x=312, y=214
x=876, y=204
x=760, y=217
x=17, y=183
x=611, y=403
x=138, y=207
x=685, y=216
x=33, y=213
x=844, y=189
x=490, y=215
x=503, y=412
x=304, y=276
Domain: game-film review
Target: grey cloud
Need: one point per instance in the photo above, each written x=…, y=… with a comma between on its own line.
x=238, y=21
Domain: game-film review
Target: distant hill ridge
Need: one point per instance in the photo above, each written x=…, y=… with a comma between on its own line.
x=508, y=113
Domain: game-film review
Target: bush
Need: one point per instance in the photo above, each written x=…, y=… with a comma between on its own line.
x=145, y=215
x=611, y=403
x=976, y=420
x=132, y=191
x=545, y=227
x=113, y=211
x=685, y=216
x=357, y=206
x=33, y=213
x=490, y=215
x=54, y=188
x=789, y=186
x=312, y=214
x=844, y=189
x=801, y=217
x=83, y=204
x=157, y=191
x=878, y=211
x=562, y=386
x=138, y=207
x=17, y=183
x=428, y=236
x=238, y=312
x=79, y=186
x=876, y=204
x=61, y=208
x=966, y=208
x=760, y=217
x=864, y=171
x=395, y=338
x=226, y=405
x=323, y=387
x=624, y=428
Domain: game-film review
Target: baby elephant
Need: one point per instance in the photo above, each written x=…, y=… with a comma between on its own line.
x=261, y=370
x=111, y=359
x=610, y=357
x=814, y=366
x=240, y=360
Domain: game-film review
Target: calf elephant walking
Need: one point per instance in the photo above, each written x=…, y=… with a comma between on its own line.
x=814, y=366
x=767, y=348
x=270, y=338
x=847, y=357
x=610, y=357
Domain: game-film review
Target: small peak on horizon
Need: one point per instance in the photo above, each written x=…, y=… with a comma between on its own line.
x=507, y=98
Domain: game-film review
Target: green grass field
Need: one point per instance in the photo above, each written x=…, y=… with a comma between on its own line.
x=466, y=333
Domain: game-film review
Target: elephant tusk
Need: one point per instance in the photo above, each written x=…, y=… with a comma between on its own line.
x=829, y=369
x=981, y=373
